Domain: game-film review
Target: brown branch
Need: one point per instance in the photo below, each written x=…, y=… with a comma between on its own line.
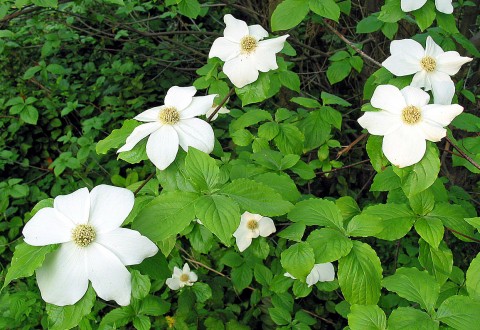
x=222, y=102
x=144, y=183
x=351, y=145
x=464, y=155
x=318, y=317
x=344, y=167
x=464, y=235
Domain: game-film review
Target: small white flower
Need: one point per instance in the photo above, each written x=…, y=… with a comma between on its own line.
x=432, y=66
x=252, y=226
x=406, y=120
x=93, y=246
x=174, y=124
x=319, y=273
x=180, y=278
x=443, y=6
x=212, y=109
x=244, y=52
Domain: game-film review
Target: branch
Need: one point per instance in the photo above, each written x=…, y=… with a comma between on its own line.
x=464, y=155
x=222, y=102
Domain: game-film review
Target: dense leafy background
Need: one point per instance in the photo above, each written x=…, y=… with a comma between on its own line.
x=74, y=71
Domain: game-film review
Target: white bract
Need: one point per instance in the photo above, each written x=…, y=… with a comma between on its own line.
x=406, y=121
x=432, y=66
x=174, y=124
x=93, y=246
x=251, y=226
x=443, y=6
x=181, y=277
x=244, y=52
x=319, y=273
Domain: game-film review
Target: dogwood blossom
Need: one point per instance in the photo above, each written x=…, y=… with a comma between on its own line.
x=174, y=124
x=212, y=109
x=319, y=273
x=432, y=66
x=93, y=246
x=244, y=52
x=251, y=226
x=181, y=277
x=443, y=6
x=406, y=121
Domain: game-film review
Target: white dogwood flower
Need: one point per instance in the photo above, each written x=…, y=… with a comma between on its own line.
x=406, y=120
x=212, y=109
x=251, y=226
x=181, y=277
x=432, y=66
x=443, y=6
x=93, y=246
x=174, y=124
x=244, y=52
x=319, y=273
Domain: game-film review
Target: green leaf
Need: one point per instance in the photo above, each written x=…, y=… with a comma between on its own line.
x=202, y=291
x=293, y=232
x=437, y=261
x=328, y=98
x=242, y=276
x=154, y=306
x=385, y=180
x=117, y=317
x=306, y=102
x=414, y=285
x=452, y=216
x=116, y=2
x=359, y=275
x=315, y=129
x=46, y=3
x=256, y=197
x=473, y=279
x=250, y=118
x=418, y=177
x=375, y=153
x=201, y=169
x=397, y=219
x=289, y=139
x=298, y=260
x=283, y=184
x=263, y=275
x=142, y=322
x=290, y=80
x=425, y=15
x=326, y=8
x=67, y=317
x=140, y=285
x=459, y=312
x=369, y=317
x=166, y=215
x=369, y=24
x=423, y=202
x=338, y=71
x=280, y=316
x=364, y=225
x=329, y=245
x=288, y=14
x=31, y=72
x=391, y=11
x=117, y=137
x=410, y=318
x=317, y=212
x=220, y=214
x=26, y=259
x=254, y=92
x=189, y=8
x=431, y=230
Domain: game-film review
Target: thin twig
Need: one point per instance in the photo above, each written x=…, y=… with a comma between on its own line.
x=144, y=183
x=344, y=167
x=225, y=99
x=351, y=145
x=318, y=317
x=464, y=155
x=462, y=234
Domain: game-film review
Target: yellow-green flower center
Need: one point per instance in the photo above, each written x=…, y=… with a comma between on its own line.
x=411, y=115
x=169, y=116
x=252, y=224
x=428, y=63
x=184, y=277
x=248, y=44
x=83, y=235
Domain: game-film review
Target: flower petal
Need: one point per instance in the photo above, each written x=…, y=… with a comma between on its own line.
x=200, y=105
x=421, y=79
x=179, y=97
x=325, y=271
x=405, y=58
x=224, y=49
x=388, y=98
x=257, y=31
x=265, y=54
x=266, y=227
x=235, y=29
x=220, y=111
x=405, y=146
x=313, y=277
x=139, y=133
x=432, y=131
x=47, y=227
x=177, y=272
x=128, y=245
x=451, y=62
x=149, y=115
x=192, y=277
x=241, y=70
x=63, y=279
x=247, y=216
x=109, y=277
x=411, y=5
x=380, y=122
x=197, y=133
x=289, y=275
x=243, y=242
x=186, y=269
x=400, y=66
x=109, y=207
x=432, y=49
x=74, y=206
x=442, y=115
x=444, y=6
x=173, y=283
x=415, y=96
x=162, y=146
x=443, y=91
